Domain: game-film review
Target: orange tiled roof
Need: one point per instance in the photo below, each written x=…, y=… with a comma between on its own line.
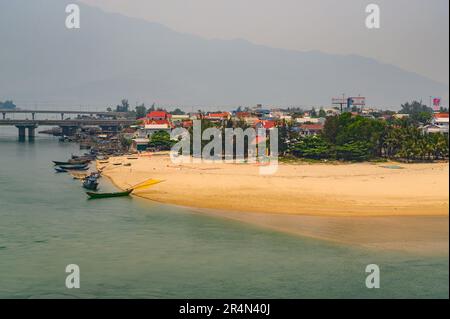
x=158, y=114
x=441, y=115
x=314, y=127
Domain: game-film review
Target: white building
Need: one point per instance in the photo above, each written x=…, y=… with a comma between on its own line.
x=149, y=129
x=312, y=120
x=440, y=123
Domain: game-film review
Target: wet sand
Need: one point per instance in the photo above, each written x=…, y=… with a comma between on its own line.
x=424, y=235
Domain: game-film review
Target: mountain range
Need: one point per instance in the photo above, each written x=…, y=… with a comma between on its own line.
x=113, y=57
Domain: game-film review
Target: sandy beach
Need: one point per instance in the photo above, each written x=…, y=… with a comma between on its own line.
x=363, y=189
x=383, y=205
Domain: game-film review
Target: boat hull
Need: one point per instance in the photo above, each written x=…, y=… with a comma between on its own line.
x=109, y=195
x=74, y=167
x=72, y=162
x=90, y=186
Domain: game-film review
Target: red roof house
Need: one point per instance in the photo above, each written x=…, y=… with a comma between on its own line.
x=159, y=115
x=218, y=116
x=265, y=124
x=311, y=129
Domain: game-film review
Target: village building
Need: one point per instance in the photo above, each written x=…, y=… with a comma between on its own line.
x=266, y=124
x=222, y=116
x=251, y=120
x=128, y=133
x=312, y=120
x=158, y=116
x=262, y=113
x=310, y=129
x=139, y=144
x=180, y=117
x=154, y=122
x=242, y=115
x=400, y=116
x=439, y=124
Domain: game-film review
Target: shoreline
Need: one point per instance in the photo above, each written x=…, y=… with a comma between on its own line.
x=416, y=231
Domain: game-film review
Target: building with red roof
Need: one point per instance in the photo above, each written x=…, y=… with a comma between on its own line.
x=242, y=115
x=267, y=124
x=310, y=129
x=218, y=116
x=441, y=117
x=159, y=115
x=187, y=124
x=440, y=124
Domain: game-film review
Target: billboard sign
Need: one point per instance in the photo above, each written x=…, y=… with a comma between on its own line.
x=358, y=101
x=351, y=101
x=436, y=104
x=337, y=100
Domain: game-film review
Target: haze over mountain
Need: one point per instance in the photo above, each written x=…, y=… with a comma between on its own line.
x=113, y=57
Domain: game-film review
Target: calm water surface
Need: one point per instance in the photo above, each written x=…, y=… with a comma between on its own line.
x=132, y=248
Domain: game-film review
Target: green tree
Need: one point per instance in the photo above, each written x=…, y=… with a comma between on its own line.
x=331, y=129
x=141, y=111
x=161, y=141
x=417, y=111
x=123, y=107
x=313, y=147
x=322, y=113
x=177, y=111
x=354, y=151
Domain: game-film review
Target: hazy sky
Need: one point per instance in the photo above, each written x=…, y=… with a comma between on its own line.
x=413, y=35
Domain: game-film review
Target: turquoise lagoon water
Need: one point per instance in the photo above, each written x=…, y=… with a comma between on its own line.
x=133, y=248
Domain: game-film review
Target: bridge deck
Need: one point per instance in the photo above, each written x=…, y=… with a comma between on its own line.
x=61, y=112
x=76, y=122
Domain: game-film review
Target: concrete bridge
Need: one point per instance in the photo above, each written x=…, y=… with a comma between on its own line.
x=33, y=113
x=68, y=126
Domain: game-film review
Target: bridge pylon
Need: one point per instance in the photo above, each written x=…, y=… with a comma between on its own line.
x=22, y=131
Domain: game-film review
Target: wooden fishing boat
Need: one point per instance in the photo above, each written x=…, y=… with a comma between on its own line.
x=60, y=170
x=140, y=186
x=90, y=183
x=79, y=161
x=74, y=167
x=72, y=162
x=60, y=163
x=84, y=146
x=83, y=157
x=78, y=169
x=109, y=195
